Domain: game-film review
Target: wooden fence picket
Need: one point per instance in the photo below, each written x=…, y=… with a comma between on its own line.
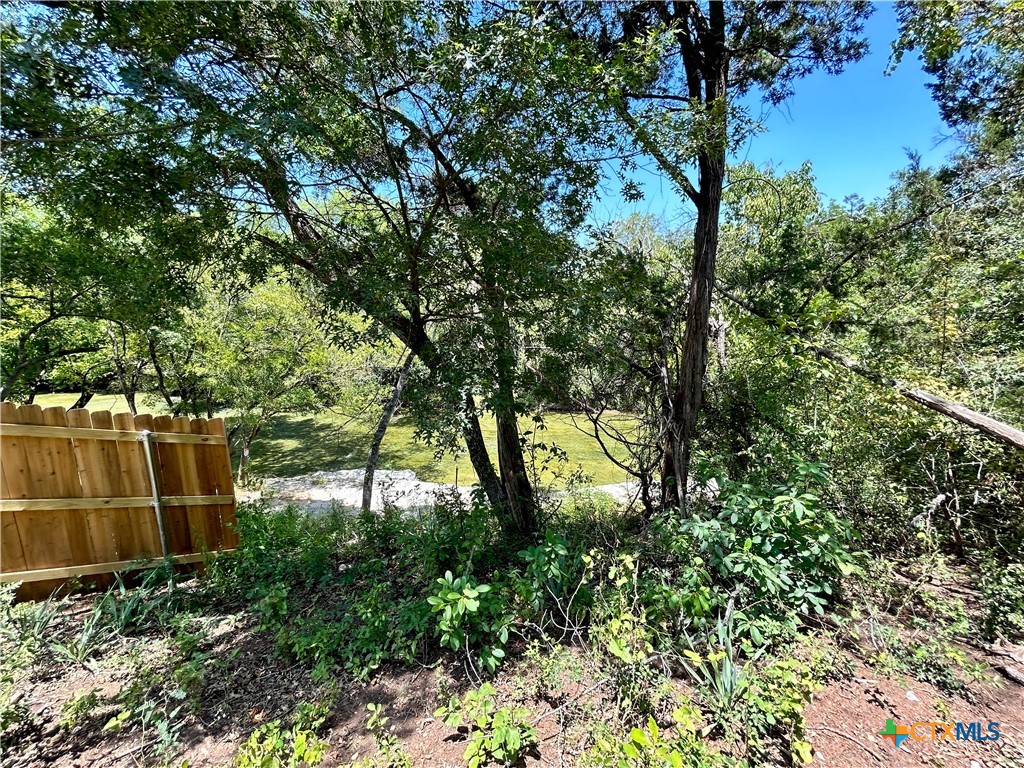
x=76, y=497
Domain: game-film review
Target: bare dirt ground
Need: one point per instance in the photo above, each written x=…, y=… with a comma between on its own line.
x=245, y=684
x=844, y=719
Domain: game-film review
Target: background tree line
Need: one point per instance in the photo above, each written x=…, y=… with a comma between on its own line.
x=232, y=204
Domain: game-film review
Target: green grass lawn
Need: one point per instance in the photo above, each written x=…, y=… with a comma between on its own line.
x=300, y=444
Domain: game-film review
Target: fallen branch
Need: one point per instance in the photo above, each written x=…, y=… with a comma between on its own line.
x=1011, y=673
x=848, y=738
x=993, y=428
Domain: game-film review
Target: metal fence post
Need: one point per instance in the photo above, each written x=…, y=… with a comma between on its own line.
x=154, y=484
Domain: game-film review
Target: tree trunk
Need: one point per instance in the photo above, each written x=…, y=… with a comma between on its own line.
x=688, y=397
x=522, y=507
x=89, y=387
x=243, y=459
x=706, y=64
x=119, y=355
x=382, y=428
x=129, y=397
x=479, y=456
x=161, y=383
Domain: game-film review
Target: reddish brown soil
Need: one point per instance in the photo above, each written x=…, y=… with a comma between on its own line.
x=250, y=685
x=843, y=722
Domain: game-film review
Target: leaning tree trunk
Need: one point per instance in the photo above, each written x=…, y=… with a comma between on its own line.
x=382, y=428
x=479, y=456
x=89, y=387
x=988, y=426
x=522, y=506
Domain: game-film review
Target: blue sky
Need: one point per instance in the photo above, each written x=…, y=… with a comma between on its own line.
x=854, y=128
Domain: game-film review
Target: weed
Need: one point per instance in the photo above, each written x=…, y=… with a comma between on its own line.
x=22, y=631
x=310, y=716
x=271, y=746
x=497, y=735
x=130, y=609
x=78, y=708
x=388, y=748
x=93, y=635
x=24, y=627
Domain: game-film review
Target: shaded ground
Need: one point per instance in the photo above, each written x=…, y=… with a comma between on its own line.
x=244, y=683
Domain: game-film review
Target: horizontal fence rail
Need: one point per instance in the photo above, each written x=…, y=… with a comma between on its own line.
x=86, y=494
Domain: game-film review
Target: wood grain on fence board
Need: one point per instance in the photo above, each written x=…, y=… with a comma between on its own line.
x=76, y=503
x=135, y=481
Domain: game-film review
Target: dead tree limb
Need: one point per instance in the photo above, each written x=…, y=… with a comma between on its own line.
x=992, y=428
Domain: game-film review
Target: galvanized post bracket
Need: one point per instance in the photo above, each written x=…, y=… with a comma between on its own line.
x=146, y=438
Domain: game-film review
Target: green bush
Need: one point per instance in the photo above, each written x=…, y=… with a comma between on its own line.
x=554, y=586
x=450, y=536
x=471, y=617
x=652, y=746
x=360, y=635
x=770, y=545
x=271, y=746
x=774, y=706
x=282, y=546
x=500, y=735
x=1003, y=592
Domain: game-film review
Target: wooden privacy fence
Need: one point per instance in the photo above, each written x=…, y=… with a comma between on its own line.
x=91, y=493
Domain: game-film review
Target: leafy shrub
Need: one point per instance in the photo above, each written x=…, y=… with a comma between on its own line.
x=281, y=546
x=591, y=518
x=678, y=596
x=450, y=536
x=271, y=605
x=651, y=746
x=271, y=746
x=775, y=703
x=1003, y=592
x=471, y=616
x=772, y=544
x=360, y=635
x=554, y=586
x=497, y=735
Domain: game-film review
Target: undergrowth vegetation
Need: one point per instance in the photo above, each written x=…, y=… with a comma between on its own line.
x=711, y=627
